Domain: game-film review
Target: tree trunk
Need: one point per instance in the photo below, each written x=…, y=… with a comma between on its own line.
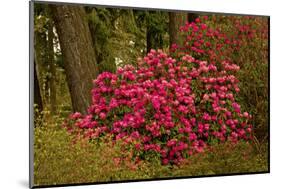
x=148, y=40
x=37, y=93
x=176, y=20
x=154, y=33
x=77, y=51
x=153, y=40
x=172, y=28
x=191, y=17
x=99, y=27
x=40, y=44
x=53, y=99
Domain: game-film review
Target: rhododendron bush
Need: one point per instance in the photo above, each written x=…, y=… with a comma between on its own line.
x=216, y=44
x=169, y=107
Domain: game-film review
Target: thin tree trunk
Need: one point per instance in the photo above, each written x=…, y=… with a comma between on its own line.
x=153, y=40
x=37, y=93
x=53, y=99
x=41, y=63
x=77, y=51
x=99, y=26
x=148, y=40
x=192, y=17
x=172, y=28
x=154, y=36
x=176, y=20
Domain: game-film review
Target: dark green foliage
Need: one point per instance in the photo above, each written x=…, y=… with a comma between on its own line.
x=254, y=95
x=156, y=23
x=101, y=32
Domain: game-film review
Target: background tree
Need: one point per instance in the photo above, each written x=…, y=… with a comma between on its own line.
x=192, y=17
x=117, y=37
x=51, y=62
x=176, y=19
x=99, y=21
x=77, y=52
x=37, y=93
x=44, y=56
x=41, y=55
x=156, y=27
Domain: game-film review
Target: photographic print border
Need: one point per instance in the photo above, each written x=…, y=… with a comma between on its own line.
x=31, y=96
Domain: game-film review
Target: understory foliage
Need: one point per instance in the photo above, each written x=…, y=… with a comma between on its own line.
x=171, y=106
x=58, y=162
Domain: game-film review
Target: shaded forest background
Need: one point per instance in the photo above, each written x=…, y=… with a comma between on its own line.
x=104, y=39
x=73, y=44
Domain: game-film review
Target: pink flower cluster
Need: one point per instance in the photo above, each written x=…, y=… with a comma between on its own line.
x=171, y=107
x=216, y=45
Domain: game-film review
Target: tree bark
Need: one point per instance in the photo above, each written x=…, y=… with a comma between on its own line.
x=154, y=36
x=172, y=28
x=40, y=44
x=99, y=27
x=53, y=99
x=192, y=17
x=78, y=53
x=148, y=39
x=153, y=40
x=37, y=93
x=176, y=20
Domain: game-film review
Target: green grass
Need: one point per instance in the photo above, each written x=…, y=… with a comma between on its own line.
x=57, y=160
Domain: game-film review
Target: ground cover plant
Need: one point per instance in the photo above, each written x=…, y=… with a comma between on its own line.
x=148, y=94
